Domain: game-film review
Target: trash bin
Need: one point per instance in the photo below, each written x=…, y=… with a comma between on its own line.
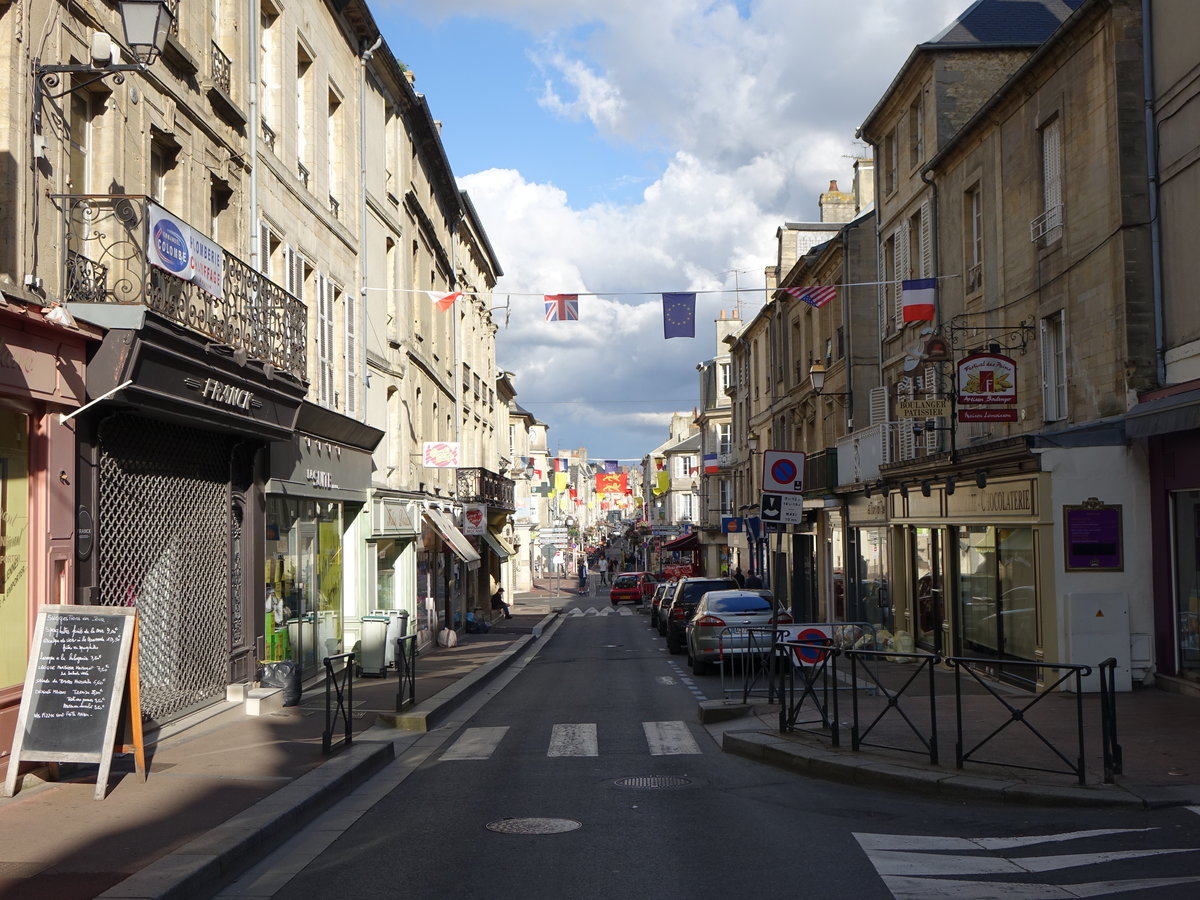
x=372, y=656
x=285, y=674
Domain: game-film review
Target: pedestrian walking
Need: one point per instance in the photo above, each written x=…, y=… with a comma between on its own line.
x=583, y=570
x=602, y=567
x=739, y=577
x=753, y=581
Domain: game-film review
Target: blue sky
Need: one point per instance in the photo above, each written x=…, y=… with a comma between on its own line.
x=628, y=148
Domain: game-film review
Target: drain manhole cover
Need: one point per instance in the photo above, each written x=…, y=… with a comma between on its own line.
x=652, y=782
x=534, y=826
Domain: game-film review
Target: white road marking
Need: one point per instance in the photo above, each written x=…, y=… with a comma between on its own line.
x=476, y=743
x=665, y=679
x=939, y=889
x=574, y=740
x=669, y=739
x=912, y=869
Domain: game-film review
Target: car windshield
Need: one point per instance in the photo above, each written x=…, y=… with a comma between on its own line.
x=693, y=591
x=740, y=604
x=625, y=581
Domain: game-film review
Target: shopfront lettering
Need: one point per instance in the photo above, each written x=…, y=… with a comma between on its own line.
x=318, y=478
x=1001, y=501
x=214, y=390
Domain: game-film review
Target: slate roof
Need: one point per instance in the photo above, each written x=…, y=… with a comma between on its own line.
x=1005, y=22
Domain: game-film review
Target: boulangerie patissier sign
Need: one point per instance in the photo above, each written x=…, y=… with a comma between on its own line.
x=176, y=247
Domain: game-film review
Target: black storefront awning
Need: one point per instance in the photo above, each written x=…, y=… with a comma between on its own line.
x=1165, y=415
x=687, y=542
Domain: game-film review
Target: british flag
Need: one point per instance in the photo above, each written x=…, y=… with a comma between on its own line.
x=561, y=307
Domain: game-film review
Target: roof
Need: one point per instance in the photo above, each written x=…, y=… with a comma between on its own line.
x=1005, y=22
x=689, y=443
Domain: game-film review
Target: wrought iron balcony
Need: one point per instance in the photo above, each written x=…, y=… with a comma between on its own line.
x=105, y=260
x=485, y=486
x=222, y=69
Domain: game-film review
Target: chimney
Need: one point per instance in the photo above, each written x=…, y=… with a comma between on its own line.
x=836, y=206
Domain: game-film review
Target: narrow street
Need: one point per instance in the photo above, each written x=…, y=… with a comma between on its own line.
x=584, y=770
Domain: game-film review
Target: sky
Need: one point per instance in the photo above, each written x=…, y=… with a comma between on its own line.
x=626, y=148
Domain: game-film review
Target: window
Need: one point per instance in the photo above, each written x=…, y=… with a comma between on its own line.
x=337, y=143
x=726, y=497
x=890, y=162
x=1047, y=227
x=163, y=156
x=84, y=107
x=973, y=236
x=219, y=197
x=724, y=438
x=269, y=73
x=327, y=297
x=14, y=548
x=723, y=370
x=1054, y=368
x=304, y=95
x=916, y=132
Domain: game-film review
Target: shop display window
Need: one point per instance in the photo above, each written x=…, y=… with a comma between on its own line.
x=14, y=547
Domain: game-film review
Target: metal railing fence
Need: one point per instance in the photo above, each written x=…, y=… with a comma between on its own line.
x=406, y=669
x=339, y=683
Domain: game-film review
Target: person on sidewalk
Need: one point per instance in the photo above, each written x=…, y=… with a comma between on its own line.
x=753, y=581
x=499, y=604
x=602, y=568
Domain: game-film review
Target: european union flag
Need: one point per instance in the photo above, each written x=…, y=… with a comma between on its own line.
x=679, y=315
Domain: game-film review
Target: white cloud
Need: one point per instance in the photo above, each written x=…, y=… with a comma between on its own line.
x=754, y=107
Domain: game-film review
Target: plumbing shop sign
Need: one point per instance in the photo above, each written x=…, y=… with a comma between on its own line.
x=176, y=247
x=987, y=388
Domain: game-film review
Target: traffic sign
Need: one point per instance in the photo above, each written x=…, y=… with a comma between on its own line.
x=783, y=472
x=781, y=509
x=811, y=634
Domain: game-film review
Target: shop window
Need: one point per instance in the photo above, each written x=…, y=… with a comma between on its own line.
x=14, y=549
x=1186, y=511
x=998, y=593
x=870, y=596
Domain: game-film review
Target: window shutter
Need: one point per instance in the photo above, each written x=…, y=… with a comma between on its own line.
x=351, y=354
x=882, y=291
x=899, y=268
x=907, y=441
x=926, y=241
x=264, y=248
x=323, y=360
x=932, y=390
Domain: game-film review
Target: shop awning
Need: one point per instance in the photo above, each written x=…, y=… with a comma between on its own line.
x=451, y=535
x=687, y=542
x=499, y=545
x=1164, y=415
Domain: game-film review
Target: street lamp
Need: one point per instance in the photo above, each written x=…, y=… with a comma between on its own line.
x=816, y=375
x=146, y=24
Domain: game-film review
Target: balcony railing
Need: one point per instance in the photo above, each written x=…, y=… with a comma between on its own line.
x=105, y=261
x=485, y=486
x=222, y=70
x=821, y=472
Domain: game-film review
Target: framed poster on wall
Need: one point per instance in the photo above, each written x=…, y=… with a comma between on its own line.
x=1092, y=537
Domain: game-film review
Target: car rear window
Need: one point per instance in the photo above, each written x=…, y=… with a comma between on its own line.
x=694, y=590
x=743, y=603
x=626, y=581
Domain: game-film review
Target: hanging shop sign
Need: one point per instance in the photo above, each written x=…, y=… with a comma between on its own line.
x=474, y=519
x=987, y=388
x=440, y=455
x=176, y=247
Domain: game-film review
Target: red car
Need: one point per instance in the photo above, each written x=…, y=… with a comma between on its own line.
x=632, y=587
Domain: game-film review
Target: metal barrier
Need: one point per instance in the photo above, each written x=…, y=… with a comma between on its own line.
x=345, y=698
x=925, y=664
x=818, y=684
x=1113, y=761
x=406, y=667
x=1020, y=714
x=747, y=671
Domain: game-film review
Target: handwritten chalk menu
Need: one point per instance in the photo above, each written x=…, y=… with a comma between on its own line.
x=73, y=688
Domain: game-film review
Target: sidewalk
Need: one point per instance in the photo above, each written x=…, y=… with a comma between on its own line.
x=223, y=786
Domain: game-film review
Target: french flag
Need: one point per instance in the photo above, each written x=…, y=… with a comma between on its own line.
x=917, y=299
x=710, y=464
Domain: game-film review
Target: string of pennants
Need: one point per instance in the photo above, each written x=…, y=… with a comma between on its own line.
x=918, y=302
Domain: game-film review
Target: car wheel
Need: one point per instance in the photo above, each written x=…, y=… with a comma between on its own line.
x=674, y=646
x=699, y=668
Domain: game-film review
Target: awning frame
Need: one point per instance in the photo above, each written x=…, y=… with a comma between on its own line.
x=457, y=541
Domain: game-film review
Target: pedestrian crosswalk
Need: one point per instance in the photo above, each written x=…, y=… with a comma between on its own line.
x=592, y=612
x=575, y=739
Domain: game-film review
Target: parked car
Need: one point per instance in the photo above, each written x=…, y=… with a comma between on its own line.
x=688, y=592
x=663, y=590
x=632, y=587
x=709, y=638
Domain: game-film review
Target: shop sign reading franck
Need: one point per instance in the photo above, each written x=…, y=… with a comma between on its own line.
x=987, y=387
x=226, y=394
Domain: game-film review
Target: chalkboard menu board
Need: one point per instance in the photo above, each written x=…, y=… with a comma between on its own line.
x=73, y=688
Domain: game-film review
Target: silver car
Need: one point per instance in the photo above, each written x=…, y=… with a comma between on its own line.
x=718, y=628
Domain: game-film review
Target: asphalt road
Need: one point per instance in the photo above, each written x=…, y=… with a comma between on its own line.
x=584, y=773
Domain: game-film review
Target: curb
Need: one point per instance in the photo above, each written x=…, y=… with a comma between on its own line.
x=200, y=867
x=871, y=771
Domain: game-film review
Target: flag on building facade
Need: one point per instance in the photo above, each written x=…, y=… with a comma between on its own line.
x=814, y=295
x=610, y=466
x=443, y=301
x=710, y=464
x=561, y=464
x=917, y=298
x=679, y=315
x=561, y=307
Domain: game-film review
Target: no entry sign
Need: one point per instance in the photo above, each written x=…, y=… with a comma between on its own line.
x=810, y=634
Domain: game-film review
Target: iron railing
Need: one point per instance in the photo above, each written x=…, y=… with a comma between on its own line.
x=406, y=667
x=222, y=69
x=339, y=684
x=818, y=684
x=106, y=239
x=485, y=486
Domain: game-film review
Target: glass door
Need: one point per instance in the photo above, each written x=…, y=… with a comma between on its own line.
x=928, y=587
x=1186, y=526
